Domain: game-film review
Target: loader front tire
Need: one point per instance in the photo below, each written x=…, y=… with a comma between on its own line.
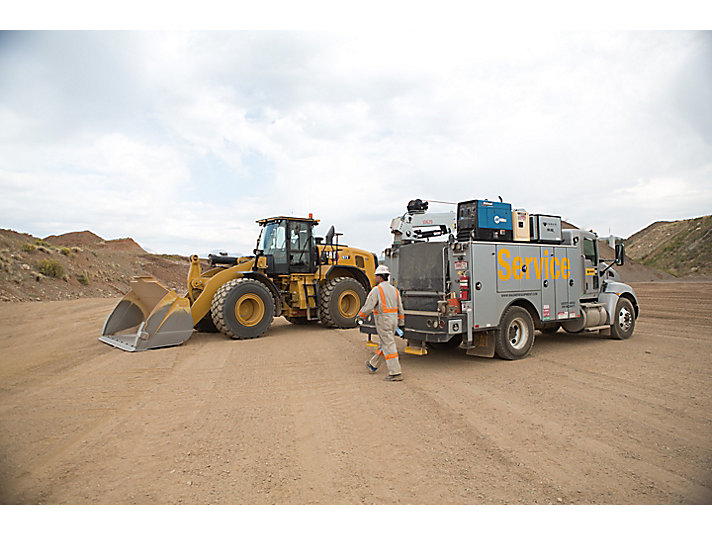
x=515, y=337
x=340, y=300
x=242, y=308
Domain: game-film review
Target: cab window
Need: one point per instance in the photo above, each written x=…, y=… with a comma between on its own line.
x=589, y=250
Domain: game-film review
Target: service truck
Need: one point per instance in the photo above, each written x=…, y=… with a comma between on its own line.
x=500, y=275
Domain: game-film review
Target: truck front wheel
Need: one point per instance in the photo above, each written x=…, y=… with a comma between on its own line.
x=623, y=320
x=515, y=337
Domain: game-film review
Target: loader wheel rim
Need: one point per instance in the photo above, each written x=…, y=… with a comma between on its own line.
x=349, y=304
x=517, y=333
x=249, y=309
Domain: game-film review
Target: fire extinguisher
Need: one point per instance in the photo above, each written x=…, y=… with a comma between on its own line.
x=464, y=287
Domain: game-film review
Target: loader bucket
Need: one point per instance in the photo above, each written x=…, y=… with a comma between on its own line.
x=148, y=317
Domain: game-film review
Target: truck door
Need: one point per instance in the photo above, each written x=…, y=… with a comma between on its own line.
x=509, y=273
x=548, y=288
x=590, y=267
x=567, y=290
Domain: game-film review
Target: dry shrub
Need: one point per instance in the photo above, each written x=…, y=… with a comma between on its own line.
x=51, y=267
x=28, y=247
x=64, y=250
x=83, y=278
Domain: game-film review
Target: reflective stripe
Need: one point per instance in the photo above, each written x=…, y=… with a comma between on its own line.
x=401, y=316
x=361, y=314
x=390, y=356
x=383, y=302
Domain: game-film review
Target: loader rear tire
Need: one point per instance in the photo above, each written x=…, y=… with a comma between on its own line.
x=242, y=308
x=340, y=300
x=623, y=320
x=515, y=337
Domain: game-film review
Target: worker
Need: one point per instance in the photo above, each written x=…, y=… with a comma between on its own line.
x=385, y=302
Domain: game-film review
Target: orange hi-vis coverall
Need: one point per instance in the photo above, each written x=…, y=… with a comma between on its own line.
x=385, y=302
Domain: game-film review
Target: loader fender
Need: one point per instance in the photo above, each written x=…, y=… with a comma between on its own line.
x=338, y=271
x=254, y=275
x=202, y=304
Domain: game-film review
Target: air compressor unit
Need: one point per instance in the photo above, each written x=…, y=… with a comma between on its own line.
x=545, y=229
x=484, y=220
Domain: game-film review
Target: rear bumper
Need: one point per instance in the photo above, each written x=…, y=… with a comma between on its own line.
x=425, y=326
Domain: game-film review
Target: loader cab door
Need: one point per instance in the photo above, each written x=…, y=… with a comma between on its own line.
x=274, y=247
x=300, y=248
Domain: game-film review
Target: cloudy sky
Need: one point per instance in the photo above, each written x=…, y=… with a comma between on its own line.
x=182, y=140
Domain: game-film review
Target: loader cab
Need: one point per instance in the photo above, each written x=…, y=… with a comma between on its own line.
x=288, y=245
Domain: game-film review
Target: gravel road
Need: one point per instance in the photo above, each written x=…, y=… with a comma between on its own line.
x=293, y=417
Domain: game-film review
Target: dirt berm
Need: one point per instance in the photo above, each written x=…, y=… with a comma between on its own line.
x=293, y=417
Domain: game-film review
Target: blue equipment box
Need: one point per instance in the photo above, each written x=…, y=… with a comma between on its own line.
x=484, y=220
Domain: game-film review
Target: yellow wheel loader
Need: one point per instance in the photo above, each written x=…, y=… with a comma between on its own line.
x=292, y=273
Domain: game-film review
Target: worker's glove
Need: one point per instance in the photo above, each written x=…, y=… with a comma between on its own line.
x=399, y=332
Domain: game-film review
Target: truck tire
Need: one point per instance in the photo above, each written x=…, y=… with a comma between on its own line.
x=623, y=320
x=242, y=308
x=340, y=300
x=515, y=337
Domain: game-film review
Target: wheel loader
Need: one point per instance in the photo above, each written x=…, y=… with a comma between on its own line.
x=292, y=273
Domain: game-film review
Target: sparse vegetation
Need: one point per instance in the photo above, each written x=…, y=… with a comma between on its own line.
x=678, y=248
x=51, y=267
x=65, y=250
x=28, y=247
x=83, y=278
x=41, y=243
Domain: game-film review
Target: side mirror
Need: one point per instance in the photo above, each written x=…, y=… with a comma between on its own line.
x=620, y=254
x=329, y=239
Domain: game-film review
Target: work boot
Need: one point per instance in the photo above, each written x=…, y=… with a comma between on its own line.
x=371, y=368
x=394, y=378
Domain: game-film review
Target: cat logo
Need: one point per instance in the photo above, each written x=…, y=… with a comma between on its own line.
x=591, y=271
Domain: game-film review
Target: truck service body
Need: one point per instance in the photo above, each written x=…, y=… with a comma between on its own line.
x=491, y=295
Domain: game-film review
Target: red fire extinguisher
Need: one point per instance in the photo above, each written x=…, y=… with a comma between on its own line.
x=464, y=287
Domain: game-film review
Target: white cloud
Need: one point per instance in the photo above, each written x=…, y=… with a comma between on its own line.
x=211, y=131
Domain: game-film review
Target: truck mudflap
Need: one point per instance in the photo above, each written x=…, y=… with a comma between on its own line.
x=149, y=316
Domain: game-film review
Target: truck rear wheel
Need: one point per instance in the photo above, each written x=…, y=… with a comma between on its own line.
x=623, y=320
x=515, y=337
x=242, y=308
x=340, y=300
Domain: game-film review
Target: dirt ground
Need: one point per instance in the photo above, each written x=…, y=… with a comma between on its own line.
x=293, y=417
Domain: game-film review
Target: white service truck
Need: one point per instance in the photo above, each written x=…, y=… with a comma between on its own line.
x=501, y=275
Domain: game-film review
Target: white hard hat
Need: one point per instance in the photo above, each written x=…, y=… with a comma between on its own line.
x=382, y=269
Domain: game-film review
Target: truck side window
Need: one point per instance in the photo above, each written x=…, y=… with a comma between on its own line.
x=589, y=250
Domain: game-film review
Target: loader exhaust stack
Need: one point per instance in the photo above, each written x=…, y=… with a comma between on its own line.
x=148, y=317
